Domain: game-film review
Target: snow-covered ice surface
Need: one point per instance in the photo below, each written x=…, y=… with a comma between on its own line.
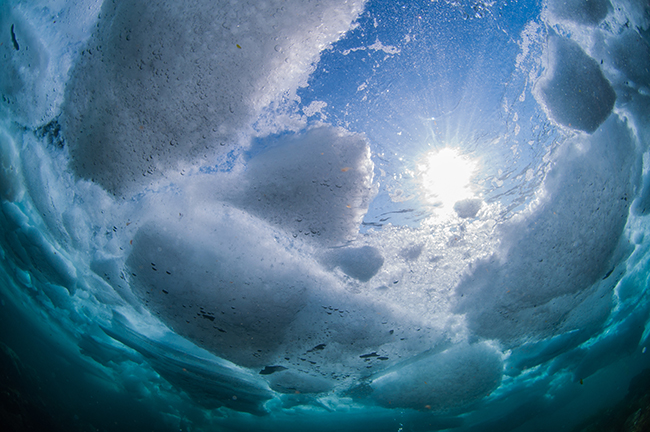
x=325, y=215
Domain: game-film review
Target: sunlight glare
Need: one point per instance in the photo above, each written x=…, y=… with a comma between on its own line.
x=446, y=176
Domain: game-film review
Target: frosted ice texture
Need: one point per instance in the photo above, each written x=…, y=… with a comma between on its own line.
x=160, y=84
x=468, y=208
x=316, y=184
x=576, y=93
x=442, y=382
x=574, y=230
x=11, y=188
x=211, y=286
x=587, y=12
x=359, y=263
x=26, y=63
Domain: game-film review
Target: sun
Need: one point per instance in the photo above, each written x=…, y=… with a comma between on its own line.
x=446, y=178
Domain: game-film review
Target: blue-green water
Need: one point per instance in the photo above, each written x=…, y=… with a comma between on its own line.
x=288, y=215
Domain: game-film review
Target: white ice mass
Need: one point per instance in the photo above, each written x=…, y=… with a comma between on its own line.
x=327, y=214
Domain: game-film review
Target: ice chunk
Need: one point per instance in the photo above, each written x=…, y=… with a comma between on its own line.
x=575, y=92
x=452, y=379
x=561, y=249
x=629, y=53
x=468, y=208
x=626, y=60
x=11, y=182
x=316, y=184
x=210, y=381
x=642, y=203
x=359, y=263
x=220, y=281
x=623, y=340
x=290, y=381
x=180, y=80
x=32, y=251
x=587, y=12
x=412, y=253
x=534, y=353
x=24, y=81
